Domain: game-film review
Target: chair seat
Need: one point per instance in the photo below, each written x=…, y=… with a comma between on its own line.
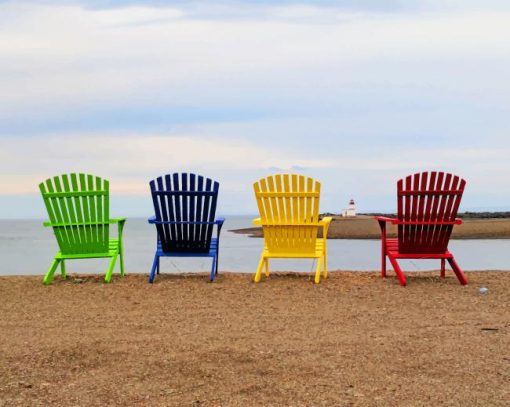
x=392, y=250
x=113, y=250
x=320, y=247
x=211, y=253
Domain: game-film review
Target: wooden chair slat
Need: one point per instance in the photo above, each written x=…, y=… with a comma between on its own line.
x=170, y=213
x=185, y=207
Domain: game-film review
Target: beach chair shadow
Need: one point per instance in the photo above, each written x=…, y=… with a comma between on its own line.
x=183, y=276
x=427, y=206
x=185, y=210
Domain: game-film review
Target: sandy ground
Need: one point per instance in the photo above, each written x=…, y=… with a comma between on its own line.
x=366, y=227
x=353, y=340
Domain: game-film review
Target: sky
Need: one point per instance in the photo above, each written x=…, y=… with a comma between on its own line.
x=356, y=94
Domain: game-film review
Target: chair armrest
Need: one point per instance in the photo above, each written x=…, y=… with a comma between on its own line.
x=257, y=222
x=325, y=222
x=458, y=221
x=118, y=220
x=219, y=222
x=381, y=219
x=382, y=224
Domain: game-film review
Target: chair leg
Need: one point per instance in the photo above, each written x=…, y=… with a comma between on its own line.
x=443, y=268
x=258, y=273
x=266, y=265
x=108, y=276
x=63, y=270
x=458, y=272
x=157, y=267
x=48, y=278
x=398, y=271
x=121, y=255
x=213, y=269
x=155, y=264
x=326, y=264
x=318, y=271
x=383, y=263
x=217, y=261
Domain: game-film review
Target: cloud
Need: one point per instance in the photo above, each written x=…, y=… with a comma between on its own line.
x=129, y=161
x=70, y=57
x=131, y=158
x=135, y=15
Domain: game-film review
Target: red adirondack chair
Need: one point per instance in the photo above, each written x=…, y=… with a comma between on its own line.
x=427, y=206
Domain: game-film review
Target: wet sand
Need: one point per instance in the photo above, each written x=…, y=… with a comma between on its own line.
x=353, y=340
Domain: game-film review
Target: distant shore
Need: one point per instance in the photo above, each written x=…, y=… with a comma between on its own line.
x=366, y=227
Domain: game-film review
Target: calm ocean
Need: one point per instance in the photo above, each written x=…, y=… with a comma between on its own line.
x=26, y=247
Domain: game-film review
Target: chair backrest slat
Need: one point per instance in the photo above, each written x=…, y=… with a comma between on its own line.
x=176, y=204
x=185, y=207
x=79, y=209
x=295, y=235
x=65, y=210
x=289, y=210
x=199, y=206
x=189, y=202
x=420, y=198
x=169, y=213
x=427, y=197
x=92, y=208
x=192, y=202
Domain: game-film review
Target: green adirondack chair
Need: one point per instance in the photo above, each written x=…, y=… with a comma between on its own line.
x=78, y=206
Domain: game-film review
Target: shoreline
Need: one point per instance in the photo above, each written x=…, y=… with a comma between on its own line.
x=365, y=227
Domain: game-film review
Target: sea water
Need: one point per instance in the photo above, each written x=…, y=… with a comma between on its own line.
x=27, y=248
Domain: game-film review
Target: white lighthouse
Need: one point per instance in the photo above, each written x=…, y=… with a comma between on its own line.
x=350, y=211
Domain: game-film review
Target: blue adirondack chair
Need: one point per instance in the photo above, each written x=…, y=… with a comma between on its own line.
x=185, y=208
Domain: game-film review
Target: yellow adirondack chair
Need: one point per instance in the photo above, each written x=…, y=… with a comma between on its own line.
x=289, y=215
